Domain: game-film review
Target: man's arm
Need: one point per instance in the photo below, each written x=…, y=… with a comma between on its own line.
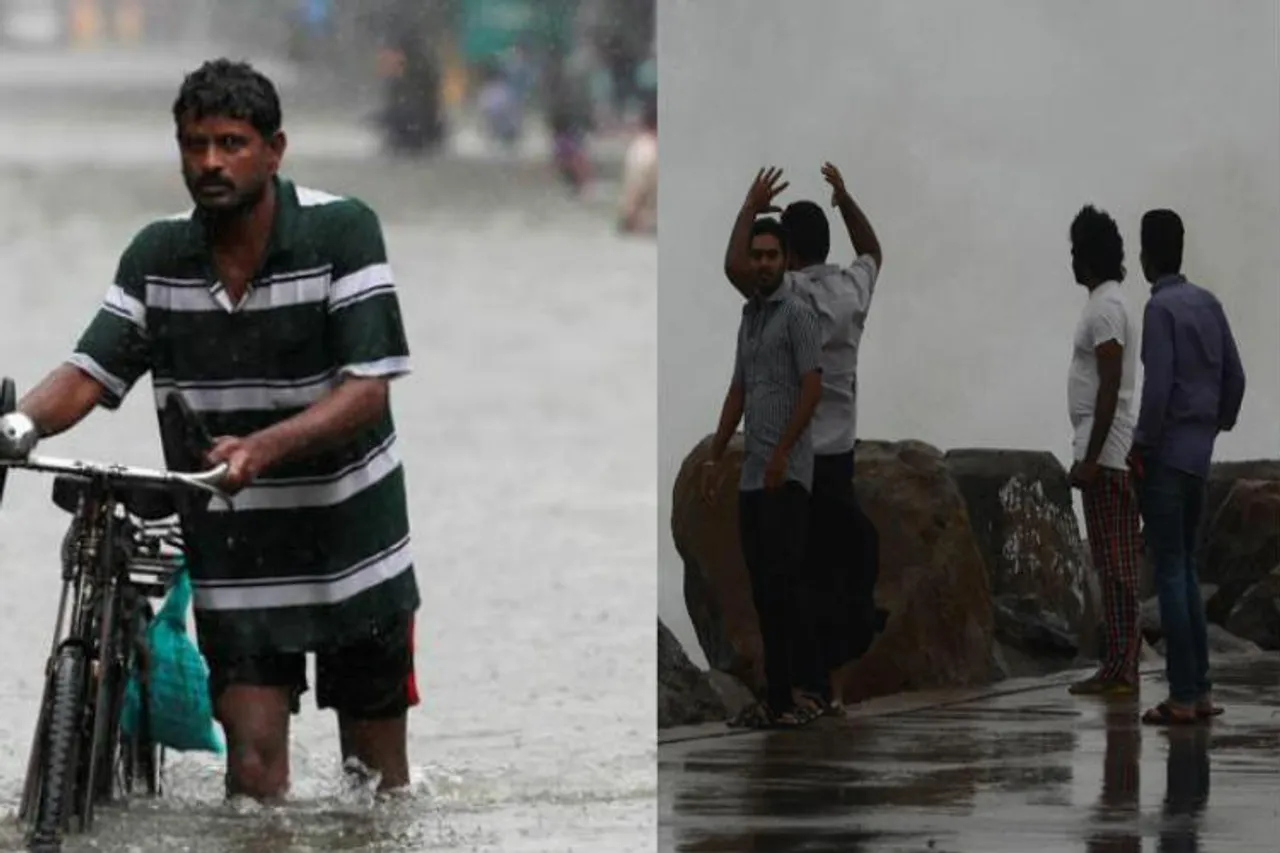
x=61, y=400
x=1157, y=383
x=1110, y=355
x=861, y=234
x=355, y=405
x=730, y=417
x=1232, y=394
x=737, y=256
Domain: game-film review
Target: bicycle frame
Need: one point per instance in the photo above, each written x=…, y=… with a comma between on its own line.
x=113, y=561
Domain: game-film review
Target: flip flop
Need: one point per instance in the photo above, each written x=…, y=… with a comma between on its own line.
x=797, y=716
x=1162, y=715
x=754, y=716
x=1206, y=712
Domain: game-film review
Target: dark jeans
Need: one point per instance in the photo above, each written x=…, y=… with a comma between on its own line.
x=773, y=525
x=1172, y=502
x=843, y=562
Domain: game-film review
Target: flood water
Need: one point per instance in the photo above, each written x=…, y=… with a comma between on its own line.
x=528, y=435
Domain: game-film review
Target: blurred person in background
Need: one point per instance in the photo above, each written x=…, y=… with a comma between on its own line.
x=570, y=119
x=639, y=208
x=501, y=107
x=412, y=117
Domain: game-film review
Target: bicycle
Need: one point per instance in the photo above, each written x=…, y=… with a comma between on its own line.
x=121, y=550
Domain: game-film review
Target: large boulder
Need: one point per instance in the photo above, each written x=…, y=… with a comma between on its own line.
x=933, y=580
x=1256, y=615
x=685, y=693
x=1020, y=508
x=1242, y=545
x=1223, y=477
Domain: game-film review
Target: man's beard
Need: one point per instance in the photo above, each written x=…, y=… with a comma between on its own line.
x=767, y=284
x=230, y=207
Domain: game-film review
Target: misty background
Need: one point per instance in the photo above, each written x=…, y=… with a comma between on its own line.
x=970, y=134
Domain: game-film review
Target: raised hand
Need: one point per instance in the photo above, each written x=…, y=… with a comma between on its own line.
x=764, y=189
x=833, y=177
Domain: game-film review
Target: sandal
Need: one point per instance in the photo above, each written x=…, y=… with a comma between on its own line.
x=1163, y=715
x=801, y=713
x=755, y=716
x=1208, y=710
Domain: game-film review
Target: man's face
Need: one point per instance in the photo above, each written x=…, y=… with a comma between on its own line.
x=767, y=262
x=226, y=163
x=1077, y=267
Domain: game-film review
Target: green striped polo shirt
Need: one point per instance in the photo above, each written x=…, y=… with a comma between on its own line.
x=315, y=550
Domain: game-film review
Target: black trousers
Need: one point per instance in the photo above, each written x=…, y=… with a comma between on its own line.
x=773, y=526
x=841, y=567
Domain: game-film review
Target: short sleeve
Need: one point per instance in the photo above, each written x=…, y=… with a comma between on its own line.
x=805, y=336
x=366, y=330
x=114, y=349
x=1107, y=323
x=862, y=274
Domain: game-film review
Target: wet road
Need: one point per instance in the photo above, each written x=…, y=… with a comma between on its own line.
x=528, y=435
x=1034, y=770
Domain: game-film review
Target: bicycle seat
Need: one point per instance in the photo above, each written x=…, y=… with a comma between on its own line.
x=147, y=503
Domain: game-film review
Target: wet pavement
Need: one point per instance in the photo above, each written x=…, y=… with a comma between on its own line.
x=1021, y=767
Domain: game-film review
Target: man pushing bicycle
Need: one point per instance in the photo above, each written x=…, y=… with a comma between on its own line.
x=272, y=310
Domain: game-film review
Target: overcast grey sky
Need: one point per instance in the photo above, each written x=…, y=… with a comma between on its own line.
x=971, y=133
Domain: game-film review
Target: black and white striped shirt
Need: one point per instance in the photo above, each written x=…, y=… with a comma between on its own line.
x=779, y=341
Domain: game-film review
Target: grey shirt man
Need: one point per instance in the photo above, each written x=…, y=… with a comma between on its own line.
x=841, y=299
x=779, y=341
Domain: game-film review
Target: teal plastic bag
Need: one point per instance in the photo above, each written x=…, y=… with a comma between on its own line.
x=181, y=713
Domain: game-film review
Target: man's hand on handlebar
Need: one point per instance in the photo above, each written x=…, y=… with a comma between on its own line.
x=18, y=435
x=246, y=458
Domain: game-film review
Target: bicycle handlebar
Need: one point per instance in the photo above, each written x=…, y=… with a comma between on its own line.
x=203, y=481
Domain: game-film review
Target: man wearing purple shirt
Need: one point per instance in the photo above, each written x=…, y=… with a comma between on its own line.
x=1192, y=389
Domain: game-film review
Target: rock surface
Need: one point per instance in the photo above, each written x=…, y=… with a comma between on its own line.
x=685, y=693
x=1256, y=616
x=1223, y=477
x=1243, y=543
x=1021, y=512
x=933, y=580
x=982, y=570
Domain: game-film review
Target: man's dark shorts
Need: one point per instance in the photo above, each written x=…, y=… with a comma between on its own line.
x=369, y=680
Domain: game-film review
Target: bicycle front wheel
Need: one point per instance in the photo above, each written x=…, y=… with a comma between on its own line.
x=60, y=753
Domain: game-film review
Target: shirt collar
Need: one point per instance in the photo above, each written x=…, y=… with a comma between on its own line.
x=1167, y=280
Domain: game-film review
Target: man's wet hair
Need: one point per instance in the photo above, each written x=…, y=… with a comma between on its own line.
x=808, y=230
x=224, y=89
x=769, y=225
x=1162, y=236
x=1098, y=244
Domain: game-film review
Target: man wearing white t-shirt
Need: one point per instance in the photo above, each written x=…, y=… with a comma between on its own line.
x=1099, y=397
x=842, y=558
